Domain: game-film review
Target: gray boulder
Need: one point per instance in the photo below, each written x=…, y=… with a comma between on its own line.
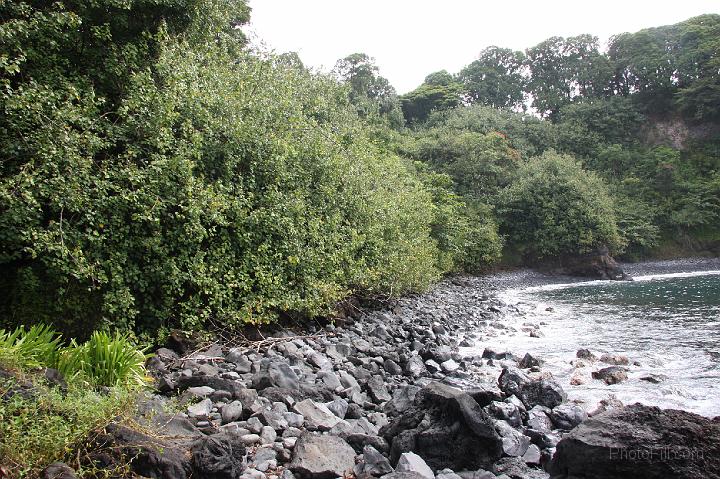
x=275, y=373
x=322, y=457
x=317, y=415
x=411, y=462
x=567, y=416
x=611, y=375
x=374, y=463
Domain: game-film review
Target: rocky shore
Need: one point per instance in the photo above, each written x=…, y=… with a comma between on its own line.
x=387, y=393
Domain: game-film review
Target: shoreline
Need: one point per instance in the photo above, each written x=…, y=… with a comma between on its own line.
x=355, y=391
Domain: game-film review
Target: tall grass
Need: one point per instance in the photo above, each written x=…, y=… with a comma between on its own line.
x=104, y=359
x=36, y=346
x=108, y=360
x=54, y=424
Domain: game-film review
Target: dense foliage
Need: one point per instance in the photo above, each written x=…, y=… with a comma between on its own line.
x=554, y=207
x=643, y=116
x=190, y=181
x=158, y=172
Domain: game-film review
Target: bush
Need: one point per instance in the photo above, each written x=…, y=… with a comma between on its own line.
x=555, y=207
x=465, y=231
x=227, y=188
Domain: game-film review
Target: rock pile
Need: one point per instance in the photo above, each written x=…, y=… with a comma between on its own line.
x=384, y=394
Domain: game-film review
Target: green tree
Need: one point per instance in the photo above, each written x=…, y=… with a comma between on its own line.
x=368, y=90
x=562, y=70
x=496, y=79
x=438, y=92
x=554, y=207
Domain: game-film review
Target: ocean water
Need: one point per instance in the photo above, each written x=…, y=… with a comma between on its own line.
x=666, y=323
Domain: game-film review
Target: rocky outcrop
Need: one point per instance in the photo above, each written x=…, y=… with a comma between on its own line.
x=640, y=442
x=595, y=265
x=448, y=428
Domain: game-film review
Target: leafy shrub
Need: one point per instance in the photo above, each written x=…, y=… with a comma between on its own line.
x=555, y=207
x=465, y=231
x=227, y=188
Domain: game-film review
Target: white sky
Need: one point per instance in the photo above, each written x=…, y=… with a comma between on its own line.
x=411, y=38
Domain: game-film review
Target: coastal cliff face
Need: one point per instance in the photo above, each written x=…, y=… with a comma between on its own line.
x=676, y=131
x=596, y=265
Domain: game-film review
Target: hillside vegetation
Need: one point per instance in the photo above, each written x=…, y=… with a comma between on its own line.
x=158, y=172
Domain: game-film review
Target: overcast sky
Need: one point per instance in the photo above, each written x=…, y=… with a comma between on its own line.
x=411, y=38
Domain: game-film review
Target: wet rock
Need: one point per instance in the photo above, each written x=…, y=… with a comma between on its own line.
x=505, y=411
x=528, y=361
x=447, y=428
x=578, y=378
x=411, y=462
x=485, y=392
x=516, y=468
x=512, y=381
x=322, y=457
x=514, y=443
x=567, y=416
x=539, y=419
x=490, y=354
x=585, y=354
x=544, y=392
x=640, y=442
x=611, y=375
x=598, y=264
x=220, y=456
x=653, y=378
x=615, y=359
